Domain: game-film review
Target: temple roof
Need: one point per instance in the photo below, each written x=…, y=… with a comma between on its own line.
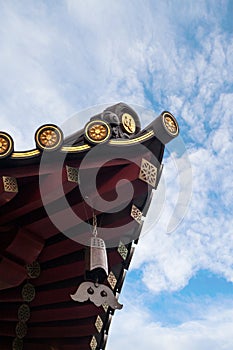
x=48, y=202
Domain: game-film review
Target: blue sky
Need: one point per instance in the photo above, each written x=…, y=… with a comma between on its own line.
x=60, y=57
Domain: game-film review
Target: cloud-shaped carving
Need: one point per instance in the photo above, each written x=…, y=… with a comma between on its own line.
x=96, y=293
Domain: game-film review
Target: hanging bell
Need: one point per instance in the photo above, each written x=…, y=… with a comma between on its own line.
x=96, y=260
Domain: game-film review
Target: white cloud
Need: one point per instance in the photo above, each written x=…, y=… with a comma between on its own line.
x=137, y=330
x=204, y=238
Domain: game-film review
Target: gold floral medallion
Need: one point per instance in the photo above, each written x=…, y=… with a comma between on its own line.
x=170, y=124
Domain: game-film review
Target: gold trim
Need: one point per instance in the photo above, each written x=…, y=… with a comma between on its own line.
x=25, y=154
x=75, y=148
x=84, y=147
x=35, y=152
x=132, y=141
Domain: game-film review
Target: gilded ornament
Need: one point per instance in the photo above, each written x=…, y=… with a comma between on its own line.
x=49, y=137
x=170, y=124
x=97, y=131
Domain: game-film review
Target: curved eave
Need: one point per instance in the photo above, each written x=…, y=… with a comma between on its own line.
x=33, y=156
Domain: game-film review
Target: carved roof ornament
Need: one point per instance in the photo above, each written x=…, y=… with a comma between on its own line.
x=97, y=294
